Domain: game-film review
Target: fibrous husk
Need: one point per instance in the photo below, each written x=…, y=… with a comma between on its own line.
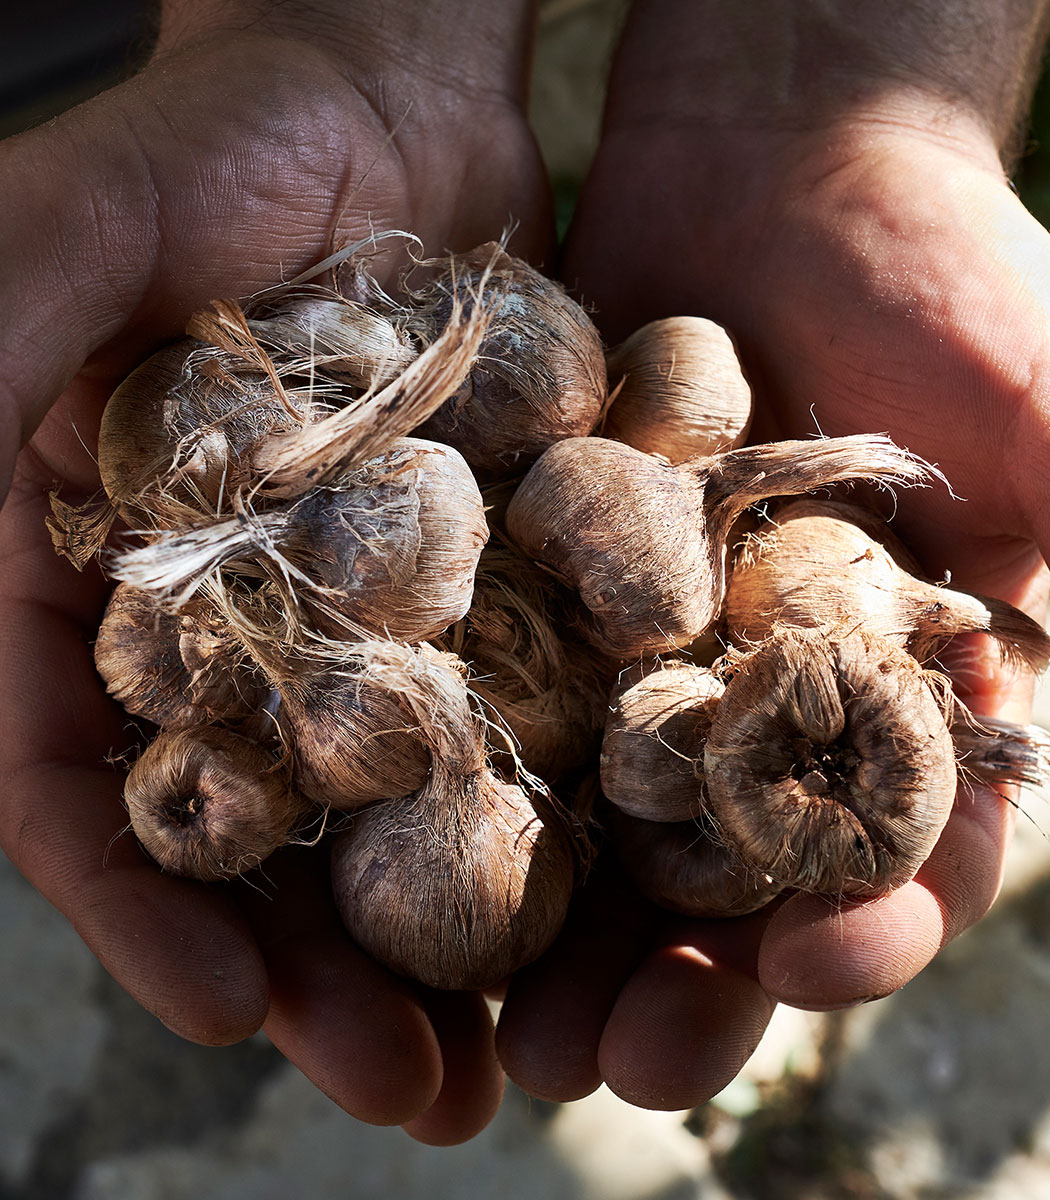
x=210, y=804
x=391, y=548
x=999, y=753
x=303, y=392
x=682, y=390
x=645, y=543
x=467, y=879
x=685, y=866
x=175, y=670
x=182, y=428
x=542, y=684
x=324, y=451
x=457, y=885
x=829, y=765
x=396, y=549
x=540, y=373
x=822, y=565
x=79, y=531
x=330, y=335
x=652, y=751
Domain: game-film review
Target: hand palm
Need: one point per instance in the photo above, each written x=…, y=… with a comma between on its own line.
x=891, y=283
x=908, y=293
x=904, y=289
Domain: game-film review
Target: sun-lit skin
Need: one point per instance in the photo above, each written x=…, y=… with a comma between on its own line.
x=856, y=234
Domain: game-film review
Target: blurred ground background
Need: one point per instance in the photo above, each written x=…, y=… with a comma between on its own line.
x=942, y=1090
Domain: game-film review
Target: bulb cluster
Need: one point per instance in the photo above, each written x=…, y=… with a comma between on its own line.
x=823, y=750
x=396, y=567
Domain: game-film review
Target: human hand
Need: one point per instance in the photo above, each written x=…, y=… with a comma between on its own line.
x=244, y=151
x=828, y=187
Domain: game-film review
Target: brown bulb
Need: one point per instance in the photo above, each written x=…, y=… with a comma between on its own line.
x=682, y=390
x=396, y=554
x=653, y=751
x=182, y=426
x=829, y=765
x=645, y=543
x=174, y=670
x=684, y=866
x=351, y=743
x=391, y=549
x=540, y=372
x=816, y=565
x=209, y=804
x=466, y=879
x=458, y=885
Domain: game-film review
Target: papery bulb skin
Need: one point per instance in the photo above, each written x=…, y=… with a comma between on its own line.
x=351, y=743
x=681, y=393
x=627, y=531
x=397, y=555
x=209, y=804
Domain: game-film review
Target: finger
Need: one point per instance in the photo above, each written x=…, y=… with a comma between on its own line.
x=178, y=947
x=554, y=1014
x=360, y=1033
x=175, y=946
x=687, y=1020
x=821, y=954
x=472, y=1085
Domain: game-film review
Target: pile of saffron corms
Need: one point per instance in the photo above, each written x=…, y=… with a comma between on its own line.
x=409, y=572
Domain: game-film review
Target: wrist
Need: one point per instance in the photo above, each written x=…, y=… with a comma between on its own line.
x=472, y=47
x=963, y=71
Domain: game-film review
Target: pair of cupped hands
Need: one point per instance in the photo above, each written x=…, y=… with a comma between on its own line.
x=878, y=275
